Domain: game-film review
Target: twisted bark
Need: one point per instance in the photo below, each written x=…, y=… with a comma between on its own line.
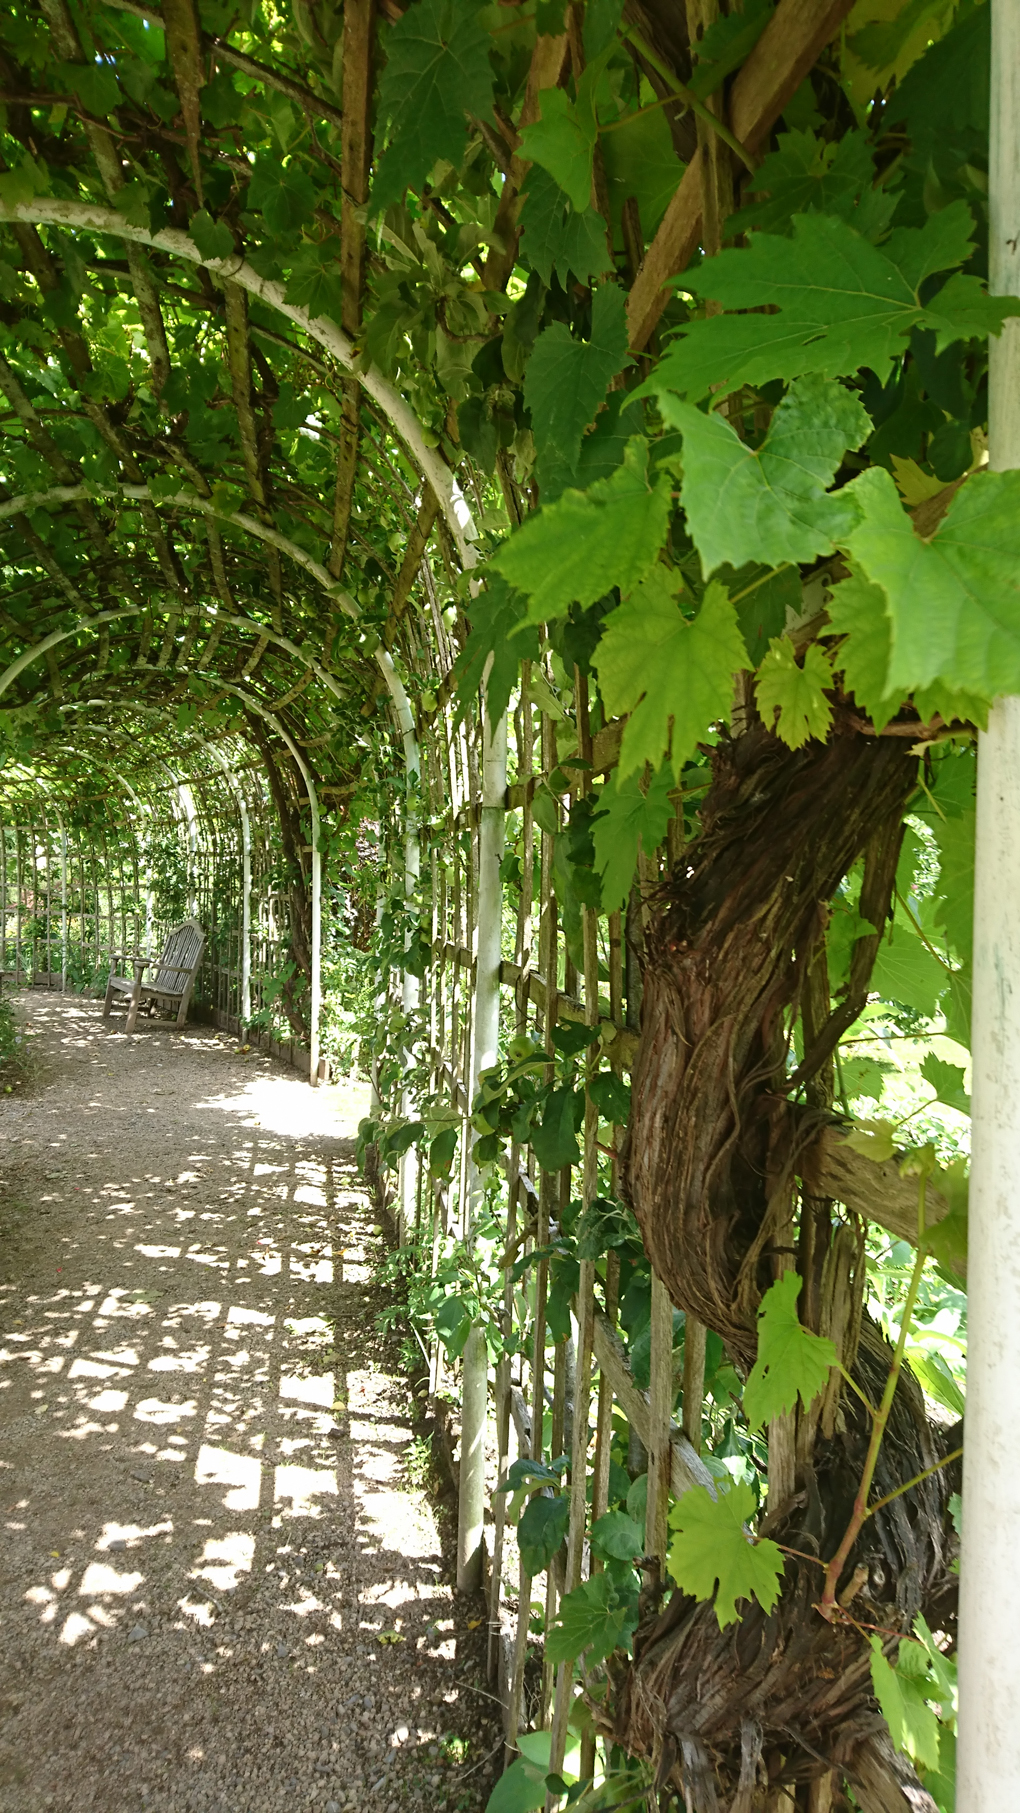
x=778, y=1699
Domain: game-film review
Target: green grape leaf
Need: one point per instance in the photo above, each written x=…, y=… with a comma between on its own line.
x=616, y=1537
x=283, y=193
x=640, y=160
x=629, y=819
x=946, y=93
x=578, y=548
x=96, y=87
x=806, y=174
x=674, y=676
x=863, y=1076
x=792, y=1362
x=566, y=380
x=857, y=610
x=520, y=1789
x=541, y=1531
x=437, y=72
x=562, y=140
x=793, y=694
x=947, y=1082
x=953, y=601
x=555, y=237
x=592, y=1620
x=903, y=1696
x=711, y=1545
x=861, y=314
x=554, y=1140
x=905, y=971
x=212, y=237
x=931, y=1371
x=611, y=1096
x=954, y=911
x=314, y=282
x=494, y=615
x=727, y=43
x=770, y=504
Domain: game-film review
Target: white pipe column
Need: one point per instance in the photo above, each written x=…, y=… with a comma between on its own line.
x=63, y=908
x=410, y=988
x=484, y=1052
x=242, y=810
x=988, y=1767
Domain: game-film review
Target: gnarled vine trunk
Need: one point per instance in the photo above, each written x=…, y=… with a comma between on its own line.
x=781, y=1698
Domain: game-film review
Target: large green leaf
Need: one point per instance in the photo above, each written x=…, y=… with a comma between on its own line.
x=541, y=1531
x=906, y=971
x=562, y=140
x=711, y=1546
x=566, y=380
x=628, y=819
x=674, y=675
x=494, y=614
x=554, y=1140
x=903, y=1693
x=578, y=548
x=770, y=504
x=555, y=237
x=837, y=303
x=953, y=601
x=792, y=1362
x=592, y=1621
x=792, y=693
x=437, y=72
x=954, y=911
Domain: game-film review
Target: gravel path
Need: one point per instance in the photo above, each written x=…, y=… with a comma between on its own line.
x=220, y=1589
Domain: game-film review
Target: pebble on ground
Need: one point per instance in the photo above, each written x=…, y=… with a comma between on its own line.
x=223, y=1588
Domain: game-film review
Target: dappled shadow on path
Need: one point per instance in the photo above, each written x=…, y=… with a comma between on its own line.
x=219, y=1591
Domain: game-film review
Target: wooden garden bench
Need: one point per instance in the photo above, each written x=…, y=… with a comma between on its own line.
x=176, y=968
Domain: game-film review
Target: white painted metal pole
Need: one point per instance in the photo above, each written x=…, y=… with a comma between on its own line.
x=484, y=1052
x=410, y=988
x=988, y=1756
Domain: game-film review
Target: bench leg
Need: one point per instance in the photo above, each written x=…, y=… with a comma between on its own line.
x=182, y=1011
x=136, y=995
x=108, y=1003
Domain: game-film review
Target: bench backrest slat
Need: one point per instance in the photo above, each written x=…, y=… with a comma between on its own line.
x=179, y=958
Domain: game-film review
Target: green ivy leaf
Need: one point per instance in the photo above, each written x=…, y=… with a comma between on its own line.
x=953, y=601
x=541, y=1531
x=628, y=819
x=495, y=615
x=437, y=72
x=794, y=694
x=770, y=505
x=711, y=1546
x=566, y=380
x=674, y=676
x=792, y=1362
x=592, y=1621
x=578, y=548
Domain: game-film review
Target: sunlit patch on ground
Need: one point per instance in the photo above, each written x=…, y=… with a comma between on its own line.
x=184, y=1317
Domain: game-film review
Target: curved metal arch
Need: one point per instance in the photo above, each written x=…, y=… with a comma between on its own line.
x=85, y=217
